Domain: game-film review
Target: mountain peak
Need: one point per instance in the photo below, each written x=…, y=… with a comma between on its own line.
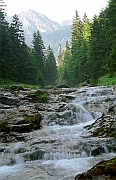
x=52, y=33
x=36, y=21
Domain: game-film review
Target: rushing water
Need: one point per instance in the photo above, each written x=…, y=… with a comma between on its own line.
x=62, y=156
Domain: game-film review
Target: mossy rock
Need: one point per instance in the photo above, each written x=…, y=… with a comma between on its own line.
x=17, y=87
x=39, y=96
x=28, y=123
x=34, y=119
x=106, y=168
x=4, y=126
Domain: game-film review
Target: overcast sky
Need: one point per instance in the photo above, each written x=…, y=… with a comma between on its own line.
x=57, y=10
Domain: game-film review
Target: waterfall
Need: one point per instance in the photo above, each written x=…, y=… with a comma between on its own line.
x=62, y=155
x=105, y=149
x=19, y=159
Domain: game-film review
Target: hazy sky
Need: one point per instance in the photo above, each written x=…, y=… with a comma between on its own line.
x=57, y=10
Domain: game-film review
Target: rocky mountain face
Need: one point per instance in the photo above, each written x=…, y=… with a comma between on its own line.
x=52, y=33
x=33, y=20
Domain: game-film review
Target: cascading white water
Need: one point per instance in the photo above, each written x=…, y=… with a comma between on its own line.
x=61, y=148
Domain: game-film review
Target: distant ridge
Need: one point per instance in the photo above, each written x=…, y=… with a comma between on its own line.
x=67, y=23
x=52, y=32
x=33, y=20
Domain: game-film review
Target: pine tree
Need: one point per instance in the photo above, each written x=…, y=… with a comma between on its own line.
x=84, y=50
x=39, y=53
x=5, y=44
x=95, y=60
x=18, y=42
x=76, y=32
x=76, y=43
x=110, y=39
x=50, y=68
x=65, y=72
x=30, y=71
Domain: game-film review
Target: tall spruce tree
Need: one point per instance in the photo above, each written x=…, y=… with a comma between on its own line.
x=5, y=44
x=18, y=42
x=30, y=72
x=76, y=41
x=95, y=63
x=66, y=65
x=110, y=39
x=50, y=68
x=93, y=48
x=74, y=64
x=84, y=50
x=39, y=53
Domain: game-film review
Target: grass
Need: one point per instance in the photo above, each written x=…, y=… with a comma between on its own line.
x=4, y=82
x=39, y=96
x=7, y=84
x=103, y=81
x=107, y=80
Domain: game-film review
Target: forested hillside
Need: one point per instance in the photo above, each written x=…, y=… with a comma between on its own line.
x=93, y=48
x=52, y=32
x=31, y=65
x=91, y=54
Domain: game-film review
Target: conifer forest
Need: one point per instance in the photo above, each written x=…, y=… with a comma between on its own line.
x=90, y=54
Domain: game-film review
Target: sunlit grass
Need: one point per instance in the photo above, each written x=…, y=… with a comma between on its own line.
x=107, y=80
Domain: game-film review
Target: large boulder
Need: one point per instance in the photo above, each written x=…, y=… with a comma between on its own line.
x=62, y=86
x=18, y=120
x=103, y=170
x=104, y=126
x=9, y=100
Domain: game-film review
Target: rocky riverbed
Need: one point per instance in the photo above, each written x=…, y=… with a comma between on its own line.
x=56, y=133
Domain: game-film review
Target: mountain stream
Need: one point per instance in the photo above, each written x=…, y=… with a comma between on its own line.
x=56, y=152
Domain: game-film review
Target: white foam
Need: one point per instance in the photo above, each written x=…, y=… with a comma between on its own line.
x=6, y=170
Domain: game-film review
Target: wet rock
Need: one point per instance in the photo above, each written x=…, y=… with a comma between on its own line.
x=10, y=100
x=102, y=170
x=23, y=123
x=103, y=126
x=15, y=121
x=34, y=155
x=62, y=86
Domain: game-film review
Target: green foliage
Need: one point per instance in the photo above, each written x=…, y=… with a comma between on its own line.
x=21, y=63
x=50, y=68
x=38, y=52
x=42, y=98
x=73, y=68
x=65, y=68
x=114, y=160
x=110, y=38
x=92, y=53
x=93, y=49
x=106, y=80
x=39, y=96
x=31, y=86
